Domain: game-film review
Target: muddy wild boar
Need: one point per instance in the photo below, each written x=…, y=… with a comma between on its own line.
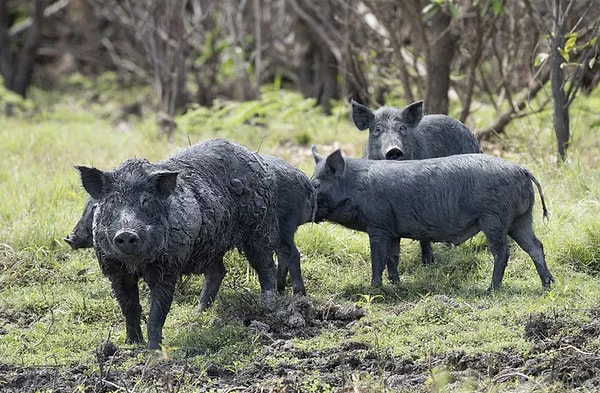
x=158, y=221
x=407, y=134
x=447, y=199
x=296, y=204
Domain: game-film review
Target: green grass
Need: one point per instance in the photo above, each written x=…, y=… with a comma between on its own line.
x=56, y=307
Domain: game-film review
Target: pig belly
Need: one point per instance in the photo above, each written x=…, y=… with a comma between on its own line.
x=461, y=236
x=445, y=236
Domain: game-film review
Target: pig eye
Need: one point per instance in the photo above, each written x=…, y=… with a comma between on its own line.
x=316, y=184
x=377, y=129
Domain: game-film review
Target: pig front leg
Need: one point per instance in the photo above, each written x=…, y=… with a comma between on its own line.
x=392, y=259
x=125, y=289
x=161, y=297
x=380, y=244
x=261, y=260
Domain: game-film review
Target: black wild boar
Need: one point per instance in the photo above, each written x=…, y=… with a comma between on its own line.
x=447, y=199
x=296, y=203
x=406, y=134
x=157, y=221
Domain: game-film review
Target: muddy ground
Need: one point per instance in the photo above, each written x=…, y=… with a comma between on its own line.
x=558, y=358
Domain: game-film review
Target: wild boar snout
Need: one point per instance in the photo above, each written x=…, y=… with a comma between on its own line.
x=394, y=153
x=127, y=241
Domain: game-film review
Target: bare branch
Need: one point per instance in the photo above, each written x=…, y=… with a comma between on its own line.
x=513, y=111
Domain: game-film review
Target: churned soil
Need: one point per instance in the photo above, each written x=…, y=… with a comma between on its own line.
x=560, y=354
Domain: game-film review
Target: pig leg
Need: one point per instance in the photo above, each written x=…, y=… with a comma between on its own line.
x=282, y=271
x=392, y=258
x=379, y=242
x=522, y=232
x=125, y=288
x=161, y=297
x=261, y=260
x=498, y=246
x=494, y=227
x=213, y=277
x=288, y=258
x=426, y=252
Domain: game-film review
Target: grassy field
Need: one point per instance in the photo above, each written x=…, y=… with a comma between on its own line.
x=436, y=330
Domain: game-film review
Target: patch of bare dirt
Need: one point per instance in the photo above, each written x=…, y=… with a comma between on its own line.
x=561, y=352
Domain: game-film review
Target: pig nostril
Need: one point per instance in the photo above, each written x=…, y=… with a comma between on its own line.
x=394, y=154
x=126, y=241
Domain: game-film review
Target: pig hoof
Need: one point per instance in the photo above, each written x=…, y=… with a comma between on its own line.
x=548, y=283
x=300, y=292
x=268, y=299
x=153, y=344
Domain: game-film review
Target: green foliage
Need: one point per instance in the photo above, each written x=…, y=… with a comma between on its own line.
x=583, y=252
x=12, y=103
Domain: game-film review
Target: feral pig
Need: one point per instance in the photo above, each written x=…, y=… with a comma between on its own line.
x=296, y=204
x=81, y=235
x=407, y=134
x=447, y=199
x=158, y=221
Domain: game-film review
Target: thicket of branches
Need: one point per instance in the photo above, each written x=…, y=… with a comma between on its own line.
x=497, y=52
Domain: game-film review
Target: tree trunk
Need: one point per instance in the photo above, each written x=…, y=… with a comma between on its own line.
x=17, y=67
x=318, y=68
x=561, y=107
x=442, y=45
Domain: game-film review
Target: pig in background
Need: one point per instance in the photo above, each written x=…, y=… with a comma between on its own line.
x=296, y=204
x=158, y=221
x=407, y=134
x=447, y=199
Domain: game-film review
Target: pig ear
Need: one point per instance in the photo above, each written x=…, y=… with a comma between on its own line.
x=318, y=158
x=165, y=182
x=94, y=181
x=361, y=116
x=413, y=113
x=335, y=162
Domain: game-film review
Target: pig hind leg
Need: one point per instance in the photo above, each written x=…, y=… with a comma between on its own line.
x=213, y=276
x=494, y=231
x=522, y=232
x=288, y=259
x=261, y=260
x=426, y=252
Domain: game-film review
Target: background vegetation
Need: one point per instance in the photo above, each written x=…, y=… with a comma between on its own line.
x=498, y=53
